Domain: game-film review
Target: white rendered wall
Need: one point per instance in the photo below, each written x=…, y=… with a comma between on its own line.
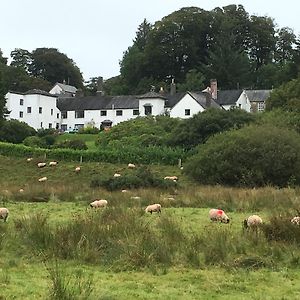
x=187, y=102
x=158, y=106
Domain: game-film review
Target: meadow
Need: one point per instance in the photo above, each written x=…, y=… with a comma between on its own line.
x=55, y=247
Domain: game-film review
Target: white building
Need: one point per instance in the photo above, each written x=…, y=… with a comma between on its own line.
x=36, y=108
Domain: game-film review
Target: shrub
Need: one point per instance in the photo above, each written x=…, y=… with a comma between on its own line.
x=140, y=178
x=34, y=141
x=45, y=131
x=252, y=156
x=89, y=130
x=14, y=131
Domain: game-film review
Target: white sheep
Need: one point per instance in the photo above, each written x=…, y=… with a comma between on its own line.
x=53, y=163
x=29, y=159
x=98, y=203
x=77, y=169
x=117, y=175
x=153, y=208
x=43, y=179
x=21, y=190
x=41, y=165
x=174, y=178
x=296, y=220
x=218, y=215
x=4, y=213
x=253, y=222
x=131, y=166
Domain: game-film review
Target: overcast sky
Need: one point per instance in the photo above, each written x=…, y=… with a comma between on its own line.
x=95, y=33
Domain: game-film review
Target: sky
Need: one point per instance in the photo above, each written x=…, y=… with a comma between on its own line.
x=95, y=33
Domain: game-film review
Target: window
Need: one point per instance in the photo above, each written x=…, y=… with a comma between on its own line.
x=41, y=124
x=21, y=101
x=21, y=114
x=79, y=114
x=119, y=112
x=51, y=111
x=136, y=112
x=78, y=126
x=50, y=125
x=57, y=116
x=103, y=113
x=64, y=114
x=64, y=127
x=240, y=105
x=261, y=106
x=148, y=110
x=40, y=110
x=29, y=110
x=187, y=112
x=57, y=126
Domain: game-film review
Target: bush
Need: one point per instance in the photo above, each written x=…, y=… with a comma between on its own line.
x=14, y=131
x=252, y=156
x=72, y=144
x=140, y=178
x=45, y=131
x=34, y=141
x=89, y=130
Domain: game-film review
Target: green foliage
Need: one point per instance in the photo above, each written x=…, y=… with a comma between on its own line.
x=72, y=144
x=34, y=141
x=14, y=131
x=45, y=131
x=142, y=131
x=142, y=177
x=286, y=97
x=251, y=156
x=89, y=130
x=200, y=127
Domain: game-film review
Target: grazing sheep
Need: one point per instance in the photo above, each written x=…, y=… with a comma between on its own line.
x=4, y=213
x=153, y=208
x=21, y=190
x=135, y=198
x=124, y=191
x=43, y=179
x=253, y=222
x=174, y=178
x=77, y=169
x=98, y=203
x=29, y=159
x=131, y=166
x=296, y=220
x=53, y=163
x=41, y=165
x=218, y=215
x=117, y=175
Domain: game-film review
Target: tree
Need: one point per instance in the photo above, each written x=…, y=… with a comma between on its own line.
x=286, y=97
x=252, y=156
x=21, y=58
x=53, y=66
x=3, y=60
x=194, y=81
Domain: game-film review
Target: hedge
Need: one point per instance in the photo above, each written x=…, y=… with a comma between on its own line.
x=146, y=155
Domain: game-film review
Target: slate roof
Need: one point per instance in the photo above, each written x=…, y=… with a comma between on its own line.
x=34, y=92
x=258, y=95
x=201, y=99
x=228, y=97
x=151, y=95
x=98, y=103
x=67, y=88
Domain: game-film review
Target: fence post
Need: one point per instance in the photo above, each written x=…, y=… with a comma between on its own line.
x=179, y=163
x=81, y=159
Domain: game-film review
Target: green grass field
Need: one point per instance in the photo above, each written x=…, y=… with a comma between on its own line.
x=54, y=246
x=89, y=139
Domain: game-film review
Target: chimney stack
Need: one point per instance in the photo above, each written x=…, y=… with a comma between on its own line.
x=100, y=91
x=214, y=88
x=173, y=87
x=208, y=96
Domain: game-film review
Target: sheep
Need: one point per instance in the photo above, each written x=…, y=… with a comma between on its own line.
x=43, y=179
x=4, y=213
x=174, y=178
x=77, y=169
x=218, y=215
x=252, y=222
x=131, y=166
x=98, y=203
x=296, y=220
x=21, y=190
x=41, y=165
x=29, y=159
x=53, y=163
x=153, y=208
x=117, y=175
x=135, y=198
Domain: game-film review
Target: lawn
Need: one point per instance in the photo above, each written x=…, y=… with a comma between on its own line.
x=89, y=139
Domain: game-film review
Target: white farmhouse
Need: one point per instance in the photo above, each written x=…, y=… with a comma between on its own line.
x=36, y=108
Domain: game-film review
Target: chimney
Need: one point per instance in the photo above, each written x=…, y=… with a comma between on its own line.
x=173, y=88
x=214, y=88
x=100, y=91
